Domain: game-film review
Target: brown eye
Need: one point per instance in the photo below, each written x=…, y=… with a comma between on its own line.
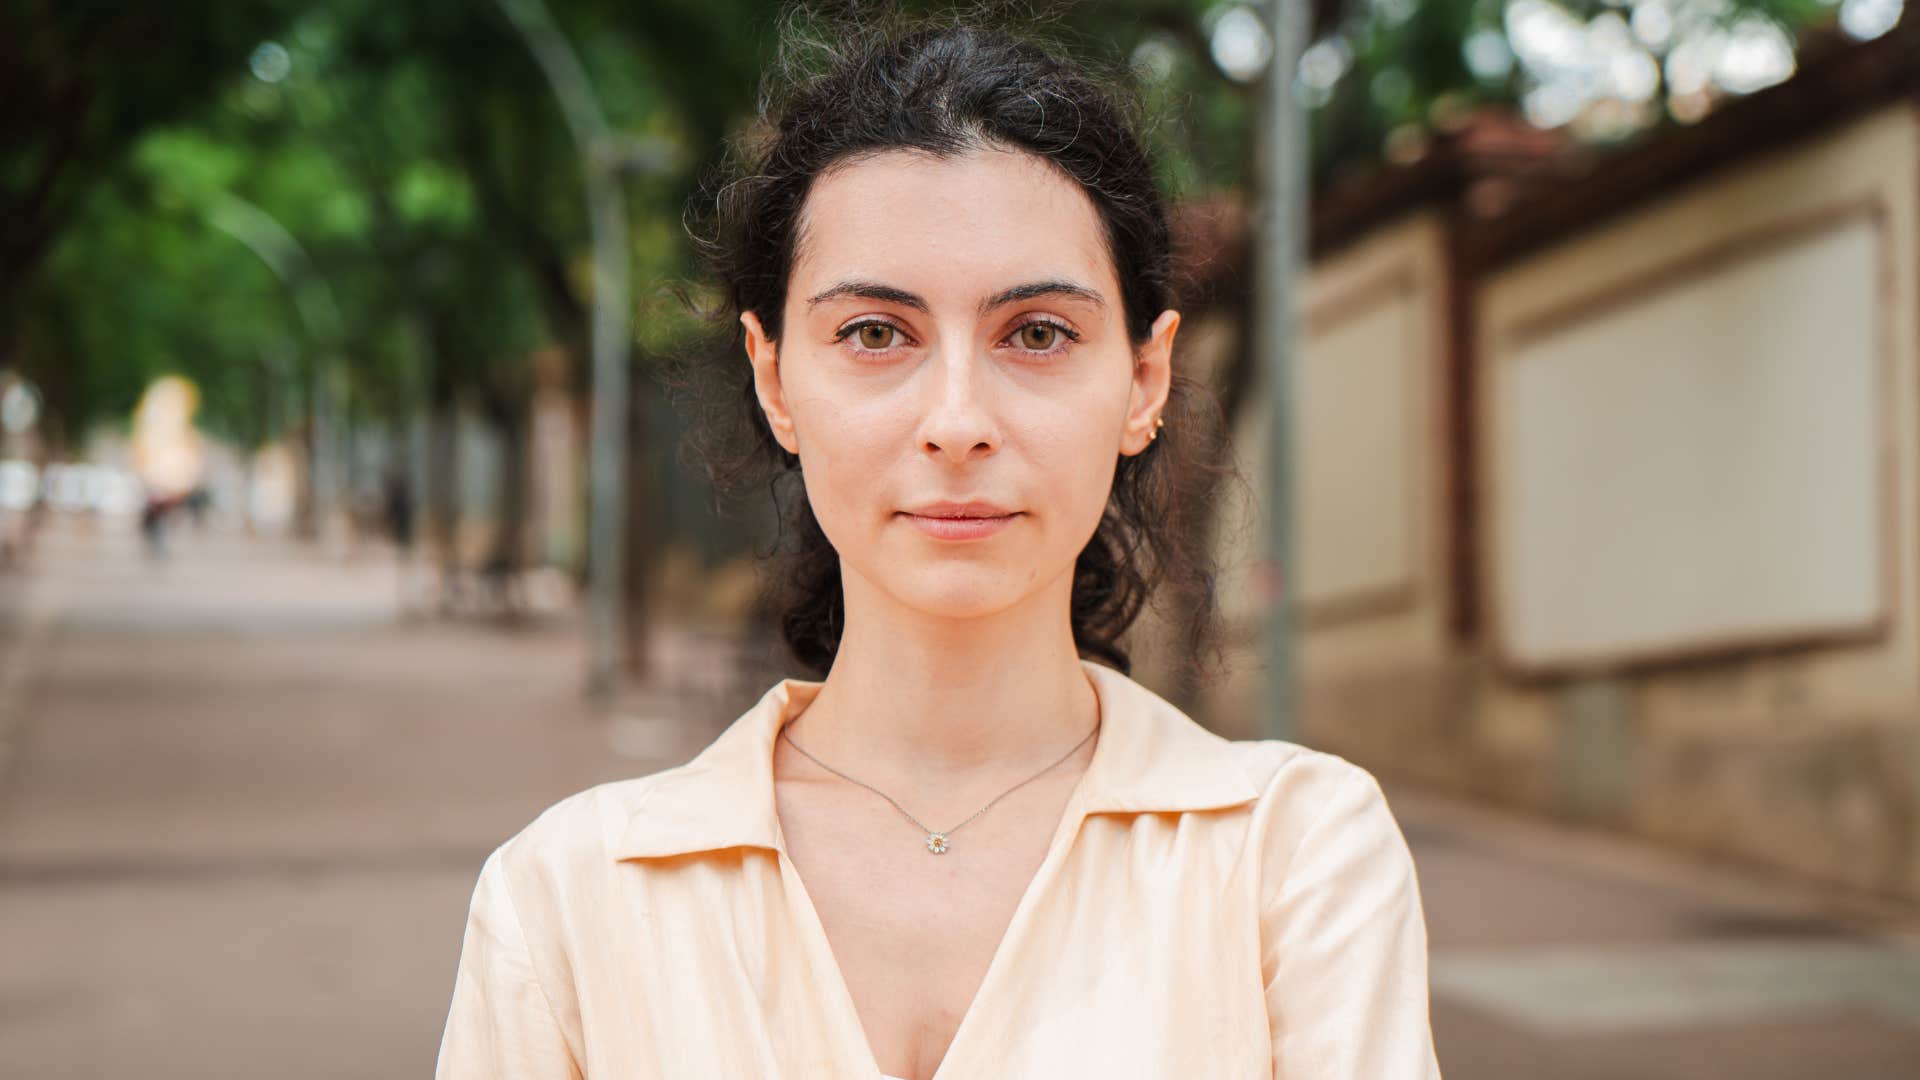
x=876, y=336
x=1039, y=336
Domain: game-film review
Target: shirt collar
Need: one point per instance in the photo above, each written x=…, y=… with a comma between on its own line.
x=1148, y=757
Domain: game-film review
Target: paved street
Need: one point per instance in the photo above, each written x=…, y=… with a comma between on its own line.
x=244, y=810
x=242, y=804
x=1565, y=954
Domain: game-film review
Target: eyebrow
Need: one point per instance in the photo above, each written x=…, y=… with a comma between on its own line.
x=1033, y=290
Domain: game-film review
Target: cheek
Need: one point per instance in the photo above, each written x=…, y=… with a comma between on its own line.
x=847, y=443
x=1073, y=445
x=1064, y=440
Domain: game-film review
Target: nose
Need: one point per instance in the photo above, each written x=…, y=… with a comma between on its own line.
x=959, y=421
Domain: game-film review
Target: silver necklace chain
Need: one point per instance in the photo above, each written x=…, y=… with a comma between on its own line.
x=937, y=839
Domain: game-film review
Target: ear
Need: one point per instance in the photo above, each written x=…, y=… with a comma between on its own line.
x=765, y=357
x=1152, y=378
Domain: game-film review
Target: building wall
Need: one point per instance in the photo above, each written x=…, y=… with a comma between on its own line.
x=1377, y=673
x=1773, y=711
x=1697, y=467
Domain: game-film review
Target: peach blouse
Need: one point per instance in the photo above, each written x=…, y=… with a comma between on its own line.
x=1232, y=910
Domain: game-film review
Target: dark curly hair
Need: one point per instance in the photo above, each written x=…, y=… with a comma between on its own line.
x=842, y=89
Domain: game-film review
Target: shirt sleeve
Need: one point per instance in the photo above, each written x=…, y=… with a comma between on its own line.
x=501, y=1025
x=1346, y=944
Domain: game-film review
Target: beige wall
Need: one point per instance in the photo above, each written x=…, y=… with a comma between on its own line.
x=1692, y=457
x=1370, y=482
x=1699, y=476
x=1787, y=729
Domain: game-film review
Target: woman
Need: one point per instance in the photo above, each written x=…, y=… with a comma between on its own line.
x=969, y=851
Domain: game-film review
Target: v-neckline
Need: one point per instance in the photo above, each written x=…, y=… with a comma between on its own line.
x=828, y=966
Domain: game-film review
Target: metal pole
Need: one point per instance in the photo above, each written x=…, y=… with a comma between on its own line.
x=606, y=481
x=263, y=234
x=1280, y=274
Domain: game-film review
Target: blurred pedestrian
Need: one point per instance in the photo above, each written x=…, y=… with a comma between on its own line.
x=398, y=511
x=197, y=501
x=153, y=522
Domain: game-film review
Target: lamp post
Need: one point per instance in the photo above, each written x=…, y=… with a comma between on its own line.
x=263, y=234
x=603, y=157
x=1280, y=274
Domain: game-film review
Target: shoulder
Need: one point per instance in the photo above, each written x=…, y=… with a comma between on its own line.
x=575, y=836
x=1343, y=940
x=1319, y=812
x=1289, y=774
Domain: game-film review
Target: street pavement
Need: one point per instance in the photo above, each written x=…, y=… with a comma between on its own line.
x=243, y=799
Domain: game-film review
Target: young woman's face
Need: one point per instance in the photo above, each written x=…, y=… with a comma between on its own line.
x=953, y=334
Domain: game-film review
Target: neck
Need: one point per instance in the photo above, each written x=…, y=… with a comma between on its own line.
x=916, y=699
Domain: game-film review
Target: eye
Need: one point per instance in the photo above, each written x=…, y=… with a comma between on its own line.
x=1038, y=336
x=1042, y=336
x=872, y=335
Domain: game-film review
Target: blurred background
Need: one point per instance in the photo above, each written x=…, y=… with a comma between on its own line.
x=344, y=523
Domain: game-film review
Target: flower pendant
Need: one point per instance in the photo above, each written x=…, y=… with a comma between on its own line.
x=937, y=843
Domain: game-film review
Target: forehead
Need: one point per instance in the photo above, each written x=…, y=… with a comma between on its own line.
x=964, y=222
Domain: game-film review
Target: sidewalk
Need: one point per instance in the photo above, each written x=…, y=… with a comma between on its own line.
x=1570, y=953
x=247, y=806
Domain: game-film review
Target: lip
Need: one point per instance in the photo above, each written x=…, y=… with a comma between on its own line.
x=972, y=520
x=972, y=508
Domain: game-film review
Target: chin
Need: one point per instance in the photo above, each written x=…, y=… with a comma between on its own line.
x=961, y=592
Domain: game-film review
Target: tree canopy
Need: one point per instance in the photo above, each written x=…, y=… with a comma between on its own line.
x=261, y=194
